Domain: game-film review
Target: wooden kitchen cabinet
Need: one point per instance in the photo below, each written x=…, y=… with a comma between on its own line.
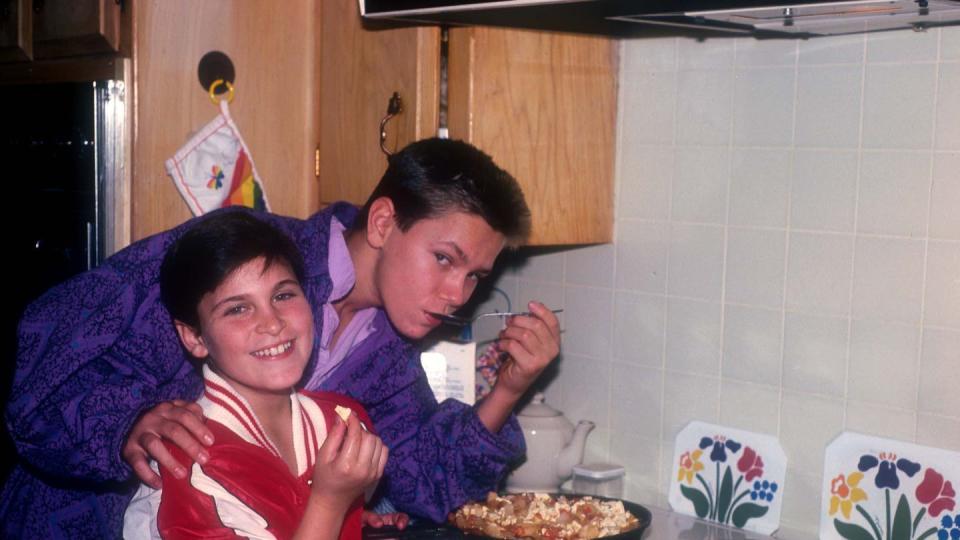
x=63, y=28
x=16, y=31
x=359, y=71
x=543, y=105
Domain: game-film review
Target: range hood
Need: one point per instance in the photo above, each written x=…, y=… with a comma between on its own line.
x=701, y=18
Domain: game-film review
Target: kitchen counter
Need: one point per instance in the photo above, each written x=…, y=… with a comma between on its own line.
x=666, y=525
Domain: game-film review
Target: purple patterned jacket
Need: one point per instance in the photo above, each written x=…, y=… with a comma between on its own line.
x=99, y=349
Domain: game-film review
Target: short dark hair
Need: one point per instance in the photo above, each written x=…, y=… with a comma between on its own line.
x=433, y=176
x=200, y=260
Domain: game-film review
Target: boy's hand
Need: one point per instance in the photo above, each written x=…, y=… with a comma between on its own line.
x=177, y=421
x=350, y=460
x=532, y=343
x=372, y=519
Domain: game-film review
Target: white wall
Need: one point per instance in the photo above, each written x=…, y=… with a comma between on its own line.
x=787, y=255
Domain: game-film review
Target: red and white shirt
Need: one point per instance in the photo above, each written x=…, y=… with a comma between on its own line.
x=245, y=489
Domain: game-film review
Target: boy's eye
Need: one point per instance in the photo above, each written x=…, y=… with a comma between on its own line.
x=441, y=258
x=235, y=310
x=284, y=296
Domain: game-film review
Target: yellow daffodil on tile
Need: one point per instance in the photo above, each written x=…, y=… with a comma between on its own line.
x=844, y=493
x=689, y=465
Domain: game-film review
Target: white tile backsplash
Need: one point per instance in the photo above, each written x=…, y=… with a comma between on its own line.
x=940, y=372
x=801, y=500
x=710, y=53
x=642, y=249
x=942, y=295
x=639, y=321
x=752, y=344
x=883, y=363
x=763, y=106
x=589, y=311
x=888, y=279
x=703, y=113
x=543, y=267
x=645, y=200
x=902, y=47
x=752, y=52
x=759, y=187
x=945, y=197
x=815, y=353
x=691, y=397
x=696, y=261
x=950, y=43
x=755, y=267
x=660, y=55
x=590, y=265
x=819, y=273
x=894, y=193
x=947, y=134
x=752, y=407
x=887, y=422
x=823, y=190
x=586, y=389
x=700, y=185
x=939, y=431
x=898, y=106
x=835, y=50
x=828, y=106
x=652, y=124
x=786, y=257
x=693, y=337
x=636, y=399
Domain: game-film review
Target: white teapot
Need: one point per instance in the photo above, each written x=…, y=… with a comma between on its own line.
x=554, y=446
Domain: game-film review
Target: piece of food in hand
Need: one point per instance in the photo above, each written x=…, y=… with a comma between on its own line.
x=542, y=516
x=343, y=412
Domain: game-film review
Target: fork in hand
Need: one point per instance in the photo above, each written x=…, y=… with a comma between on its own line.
x=457, y=320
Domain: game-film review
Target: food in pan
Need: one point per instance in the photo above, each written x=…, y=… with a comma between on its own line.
x=543, y=516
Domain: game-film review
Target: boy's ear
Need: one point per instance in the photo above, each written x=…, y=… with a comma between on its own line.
x=381, y=220
x=191, y=339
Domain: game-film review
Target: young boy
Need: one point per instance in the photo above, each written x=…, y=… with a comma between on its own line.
x=285, y=464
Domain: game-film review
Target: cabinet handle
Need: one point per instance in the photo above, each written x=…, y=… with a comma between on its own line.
x=394, y=107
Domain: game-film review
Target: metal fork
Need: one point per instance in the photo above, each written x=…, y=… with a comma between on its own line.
x=464, y=321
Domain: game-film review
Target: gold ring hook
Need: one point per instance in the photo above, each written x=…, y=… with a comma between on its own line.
x=213, y=91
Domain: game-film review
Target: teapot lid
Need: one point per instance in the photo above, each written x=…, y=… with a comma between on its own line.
x=537, y=408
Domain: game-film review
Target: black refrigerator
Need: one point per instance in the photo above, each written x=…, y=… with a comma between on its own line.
x=48, y=148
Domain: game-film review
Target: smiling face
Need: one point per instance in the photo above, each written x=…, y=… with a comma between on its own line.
x=256, y=328
x=433, y=266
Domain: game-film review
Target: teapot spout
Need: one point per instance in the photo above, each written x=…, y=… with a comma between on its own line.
x=572, y=454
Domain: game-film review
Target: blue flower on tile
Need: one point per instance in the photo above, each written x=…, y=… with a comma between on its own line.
x=949, y=528
x=720, y=446
x=887, y=471
x=763, y=491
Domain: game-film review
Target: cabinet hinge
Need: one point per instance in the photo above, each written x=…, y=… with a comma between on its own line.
x=316, y=162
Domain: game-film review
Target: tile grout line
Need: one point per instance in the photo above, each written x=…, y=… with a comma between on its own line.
x=926, y=243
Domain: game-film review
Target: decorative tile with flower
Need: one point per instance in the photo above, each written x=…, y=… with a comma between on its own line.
x=729, y=476
x=882, y=489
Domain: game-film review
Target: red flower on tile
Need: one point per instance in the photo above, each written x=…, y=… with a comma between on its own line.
x=936, y=493
x=750, y=464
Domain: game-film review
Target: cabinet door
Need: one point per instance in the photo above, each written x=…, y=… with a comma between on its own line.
x=544, y=106
x=16, y=41
x=64, y=28
x=274, y=106
x=359, y=71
